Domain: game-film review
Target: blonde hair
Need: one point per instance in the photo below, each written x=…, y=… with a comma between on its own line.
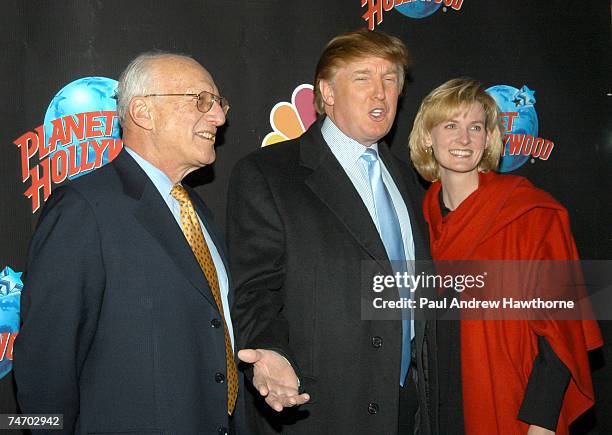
x=442, y=104
x=354, y=45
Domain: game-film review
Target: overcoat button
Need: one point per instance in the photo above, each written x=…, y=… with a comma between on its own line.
x=377, y=342
x=373, y=408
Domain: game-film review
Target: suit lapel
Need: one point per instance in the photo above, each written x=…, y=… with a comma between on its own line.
x=333, y=187
x=153, y=214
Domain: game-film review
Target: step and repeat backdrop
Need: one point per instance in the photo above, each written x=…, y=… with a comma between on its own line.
x=547, y=64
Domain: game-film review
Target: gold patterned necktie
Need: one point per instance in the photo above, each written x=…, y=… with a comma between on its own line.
x=193, y=232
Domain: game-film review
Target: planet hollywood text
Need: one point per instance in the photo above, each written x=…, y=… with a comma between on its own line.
x=374, y=14
x=524, y=144
x=77, y=144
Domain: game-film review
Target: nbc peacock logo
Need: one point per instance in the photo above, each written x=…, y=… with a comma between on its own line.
x=290, y=120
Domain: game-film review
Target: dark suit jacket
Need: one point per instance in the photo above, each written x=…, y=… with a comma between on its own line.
x=298, y=233
x=117, y=331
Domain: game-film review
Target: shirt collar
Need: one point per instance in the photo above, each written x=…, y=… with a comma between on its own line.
x=339, y=142
x=159, y=179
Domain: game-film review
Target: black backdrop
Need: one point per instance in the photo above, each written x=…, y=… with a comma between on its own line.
x=259, y=50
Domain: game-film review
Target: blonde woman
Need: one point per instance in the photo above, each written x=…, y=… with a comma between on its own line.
x=518, y=376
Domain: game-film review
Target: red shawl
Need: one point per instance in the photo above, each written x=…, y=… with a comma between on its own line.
x=507, y=218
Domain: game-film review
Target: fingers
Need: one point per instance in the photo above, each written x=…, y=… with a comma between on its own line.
x=278, y=403
x=274, y=403
x=267, y=387
x=249, y=355
x=261, y=387
x=302, y=398
x=278, y=396
x=274, y=378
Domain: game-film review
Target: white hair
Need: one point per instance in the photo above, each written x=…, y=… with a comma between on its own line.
x=135, y=79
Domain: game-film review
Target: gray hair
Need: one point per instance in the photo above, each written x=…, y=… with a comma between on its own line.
x=134, y=80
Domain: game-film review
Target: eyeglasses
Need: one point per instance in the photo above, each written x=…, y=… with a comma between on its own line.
x=205, y=100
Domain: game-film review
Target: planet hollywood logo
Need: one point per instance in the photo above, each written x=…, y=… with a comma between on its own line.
x=409, y=8
x=291, y=120
x=80, y=133
x=521, y=141
x=10, y=294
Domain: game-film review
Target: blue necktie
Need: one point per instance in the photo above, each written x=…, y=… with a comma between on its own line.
x=391, y=235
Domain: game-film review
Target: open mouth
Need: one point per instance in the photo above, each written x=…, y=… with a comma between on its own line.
x=461, y=153
x=206, y=135
x=377, y=114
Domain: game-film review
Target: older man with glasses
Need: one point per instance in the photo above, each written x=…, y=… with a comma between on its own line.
x=136, y=335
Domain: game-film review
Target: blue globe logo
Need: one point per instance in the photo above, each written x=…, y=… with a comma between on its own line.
x=418, y=9
x=10, y=294
x=87, y=94
x=511, y=99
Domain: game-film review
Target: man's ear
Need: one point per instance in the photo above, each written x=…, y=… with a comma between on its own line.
x=140, y=113
x=327, y=92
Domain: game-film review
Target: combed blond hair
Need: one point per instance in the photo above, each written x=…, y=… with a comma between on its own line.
x=444, y=103
x=355, y=45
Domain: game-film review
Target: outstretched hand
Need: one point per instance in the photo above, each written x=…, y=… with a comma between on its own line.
x=274, y=378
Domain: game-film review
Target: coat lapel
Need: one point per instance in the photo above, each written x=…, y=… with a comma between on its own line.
x=333, y=187
x=153, y=214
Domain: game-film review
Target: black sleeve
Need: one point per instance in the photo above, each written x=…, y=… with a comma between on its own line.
x=546, y=387
x=60, y=303
x=256, y=243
